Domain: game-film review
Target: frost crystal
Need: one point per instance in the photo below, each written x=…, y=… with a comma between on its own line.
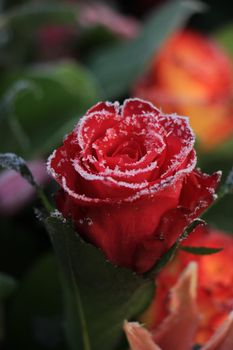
x=135, y=149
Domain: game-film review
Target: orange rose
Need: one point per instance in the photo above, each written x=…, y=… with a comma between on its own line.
x=193, y=76
x=214, y=288
x=177, y=330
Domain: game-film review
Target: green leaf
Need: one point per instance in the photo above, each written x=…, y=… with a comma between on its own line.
x=228, y=186
x=166, y=258
x=225, y=189
x=7, y=286
x=224, y=37
x=98, y=295
x=190, y=228
x=59, y=93
x=7, y=112
x=35, y=312
x=58, y=135
x=32, y=15
x=19, y=28
x=14, y=162
x=117, y=68
x=200, y=250
x=220, y=214
x=215, y=213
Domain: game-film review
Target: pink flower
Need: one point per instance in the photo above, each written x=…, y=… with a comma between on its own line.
x=15, y=192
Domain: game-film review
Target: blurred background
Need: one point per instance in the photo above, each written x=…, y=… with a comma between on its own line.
x=57, y=59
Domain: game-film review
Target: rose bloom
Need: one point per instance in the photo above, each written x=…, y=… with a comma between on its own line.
x=177, y=330
x=193, y=76
x=129, y=181
x=215, y=283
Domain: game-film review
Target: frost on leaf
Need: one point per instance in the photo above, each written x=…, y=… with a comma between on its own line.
x=14, y=162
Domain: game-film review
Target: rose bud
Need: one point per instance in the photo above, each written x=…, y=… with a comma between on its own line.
x=129, y=181
x=178, y=328
x=15, y=191
x=193, y=76
x=215, y=278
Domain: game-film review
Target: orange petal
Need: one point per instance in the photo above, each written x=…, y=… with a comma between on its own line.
x=223, y=338
x=139, y=338
x=177, y=331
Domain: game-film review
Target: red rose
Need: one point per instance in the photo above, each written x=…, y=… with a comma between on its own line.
x=129, y=180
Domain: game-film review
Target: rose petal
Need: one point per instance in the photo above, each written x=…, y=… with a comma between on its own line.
x=108, y=184
x=179, y=328
x=198, y=192
x=104, y=107
x=97, y=119
x=139, y=338
x=223, y=338
x=138, y=107
x=179, y=140
x=124, y=246
x=111, y=181
x=215, y=293
x=103, y=185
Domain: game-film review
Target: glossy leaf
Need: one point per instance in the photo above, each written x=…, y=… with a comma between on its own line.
x=98, y=295
x=58, y=94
